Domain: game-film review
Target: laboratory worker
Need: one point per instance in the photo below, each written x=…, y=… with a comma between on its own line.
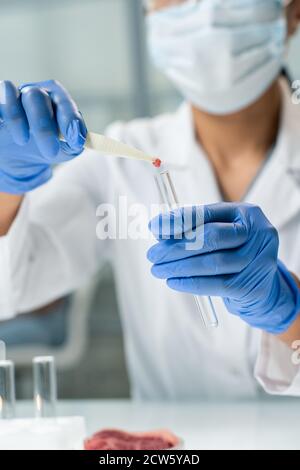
x=233, y=150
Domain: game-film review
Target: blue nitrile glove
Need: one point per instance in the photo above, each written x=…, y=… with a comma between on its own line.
x=31, y=119
x=236, y=261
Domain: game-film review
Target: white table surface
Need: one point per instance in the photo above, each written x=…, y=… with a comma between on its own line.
x=266, y=424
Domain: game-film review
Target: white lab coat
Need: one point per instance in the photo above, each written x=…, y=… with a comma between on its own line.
x=52, y=248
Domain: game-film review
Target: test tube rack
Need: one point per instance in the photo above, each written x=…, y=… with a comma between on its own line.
x=46, y=431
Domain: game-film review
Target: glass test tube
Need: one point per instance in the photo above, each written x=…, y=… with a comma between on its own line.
x=169, y=197
x=2, y=350
x=7, y=390
x=45, y=389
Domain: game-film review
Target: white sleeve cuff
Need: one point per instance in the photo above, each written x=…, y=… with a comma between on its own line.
x=277, y=367
x=11, y=251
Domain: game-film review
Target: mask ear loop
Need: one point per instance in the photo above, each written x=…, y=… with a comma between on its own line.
x=284, y=71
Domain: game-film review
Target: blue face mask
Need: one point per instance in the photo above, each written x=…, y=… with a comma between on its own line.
x=221, y=54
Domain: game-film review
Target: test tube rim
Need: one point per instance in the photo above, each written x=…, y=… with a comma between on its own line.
x=6, y=362
x=43, y=359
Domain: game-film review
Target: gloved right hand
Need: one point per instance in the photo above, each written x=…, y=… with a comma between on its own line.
x=32, y=118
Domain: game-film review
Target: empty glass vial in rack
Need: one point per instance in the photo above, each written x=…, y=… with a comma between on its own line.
x=45, y=388
x=7, y=389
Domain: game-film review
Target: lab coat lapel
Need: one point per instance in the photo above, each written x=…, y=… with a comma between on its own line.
x=277, y=193
x=174, y=145
x=187, y=162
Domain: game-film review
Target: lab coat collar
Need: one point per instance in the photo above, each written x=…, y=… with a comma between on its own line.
x=178, y=138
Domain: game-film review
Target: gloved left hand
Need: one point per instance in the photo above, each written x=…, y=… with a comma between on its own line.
x=238, y=261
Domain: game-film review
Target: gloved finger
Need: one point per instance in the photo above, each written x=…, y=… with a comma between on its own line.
x=38, y=107
x=69, y=119
x=175, y=223
x=210, y=264
x=217, y=236
x=228, y=211
x=204, y=285
x=12, y=112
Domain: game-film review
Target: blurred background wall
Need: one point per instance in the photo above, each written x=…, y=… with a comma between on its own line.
x=96, y=48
